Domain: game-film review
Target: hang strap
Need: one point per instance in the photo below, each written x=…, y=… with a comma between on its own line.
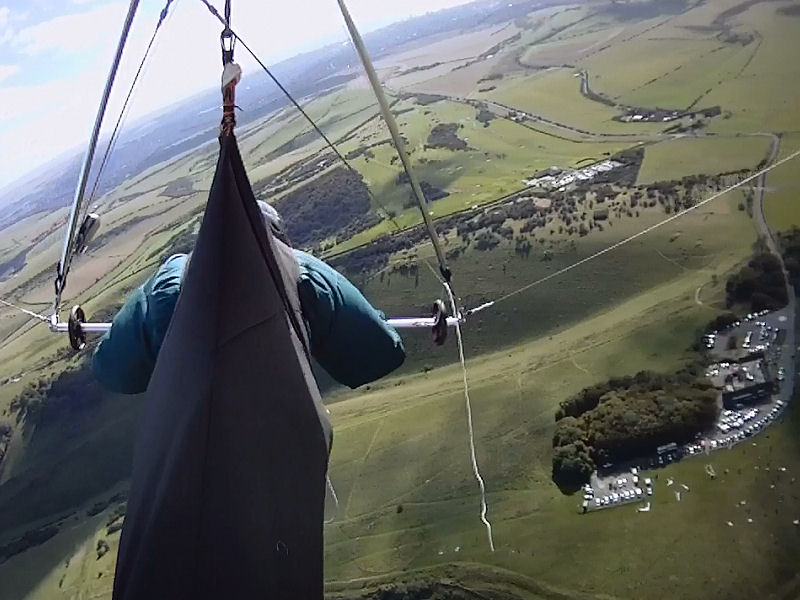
x=231, y=75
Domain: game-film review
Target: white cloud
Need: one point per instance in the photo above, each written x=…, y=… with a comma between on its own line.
x=6, y=32
x=72, y=33
x=56, y=115
x=7, y=71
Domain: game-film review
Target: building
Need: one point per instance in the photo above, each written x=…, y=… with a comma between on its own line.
x=734, y=397
x=745, y=384
x=667, y=453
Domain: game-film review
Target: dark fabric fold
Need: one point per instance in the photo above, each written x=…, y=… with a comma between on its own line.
x=228, y=481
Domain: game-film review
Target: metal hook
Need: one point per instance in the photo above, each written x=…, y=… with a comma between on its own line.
x=227, y=42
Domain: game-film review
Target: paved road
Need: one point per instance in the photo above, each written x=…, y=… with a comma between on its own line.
x=788, y=358
x=758, y=204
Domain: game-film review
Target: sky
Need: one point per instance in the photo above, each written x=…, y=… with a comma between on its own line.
x=55, y=56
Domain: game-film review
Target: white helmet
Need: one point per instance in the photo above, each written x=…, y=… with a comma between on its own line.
x=273, y=220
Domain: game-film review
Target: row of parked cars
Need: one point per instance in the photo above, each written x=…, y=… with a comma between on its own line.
x=623, y=489
x=745, y=430
x=710, y=339
x=621, y=496
x=753, y=315
x=766, y=335
x=732, y=419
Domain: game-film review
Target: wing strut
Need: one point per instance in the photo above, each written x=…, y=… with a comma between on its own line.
x=66, y=254
x=399, y=144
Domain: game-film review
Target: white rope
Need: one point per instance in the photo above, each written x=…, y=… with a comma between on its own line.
x=335, y=499
x=26, y=311
x=468, y=404
x=636, y=235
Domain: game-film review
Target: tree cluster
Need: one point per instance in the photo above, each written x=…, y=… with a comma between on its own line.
x=627, y=417
x=422, y=98
x=415, y=590
x=181, y=243
x=430, y=191
x=418, y=68
x=790, y=248
x=759, y=284
x=445, y=135
x=13, y=265
x=375, y=255
x=486, y=240
x=295, y=173
x=522, y=246
x=31, y=538
x=336, y=203
x=721, y=322
x=484, y=115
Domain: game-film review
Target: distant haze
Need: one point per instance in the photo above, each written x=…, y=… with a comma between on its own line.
x=55, y=57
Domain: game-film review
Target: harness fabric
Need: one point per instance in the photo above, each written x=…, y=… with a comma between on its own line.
x=228, y=480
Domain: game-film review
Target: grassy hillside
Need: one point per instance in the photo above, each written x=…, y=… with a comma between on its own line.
x=679, y=158
x=404, y=446
x=782, y=197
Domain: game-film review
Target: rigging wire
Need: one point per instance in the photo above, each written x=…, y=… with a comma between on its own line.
x=300, y=109
x=630, y=238
x=30, y=313
x=112, y=142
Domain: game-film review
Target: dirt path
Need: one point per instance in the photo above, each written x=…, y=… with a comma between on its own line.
x=697, y=296
x=671, y=261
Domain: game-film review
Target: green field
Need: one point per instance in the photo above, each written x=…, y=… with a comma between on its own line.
x=556, y=96
x=782, y=197
x=501, y=156
x=764, y=96
x=385, y=457
x=679, y=158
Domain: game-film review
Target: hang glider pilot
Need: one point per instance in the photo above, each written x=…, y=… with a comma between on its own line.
x=349, y=337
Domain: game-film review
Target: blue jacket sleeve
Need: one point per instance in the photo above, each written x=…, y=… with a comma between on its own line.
x=125, y=357
x=349, y=338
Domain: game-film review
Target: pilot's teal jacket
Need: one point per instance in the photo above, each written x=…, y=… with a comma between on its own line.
x=349, y=338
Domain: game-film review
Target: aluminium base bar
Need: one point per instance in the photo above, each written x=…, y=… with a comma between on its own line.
x=398, y=323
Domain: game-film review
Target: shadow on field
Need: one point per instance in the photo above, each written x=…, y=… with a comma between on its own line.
x=452, y=581
x=79, y=449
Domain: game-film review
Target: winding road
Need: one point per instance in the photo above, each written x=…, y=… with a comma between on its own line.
x=788, y=356
x=572, y=133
